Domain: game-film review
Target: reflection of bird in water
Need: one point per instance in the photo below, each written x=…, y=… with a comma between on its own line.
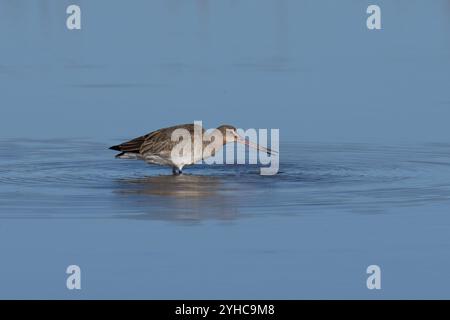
x=156, y=147
x=185, y=198
x=185, y=186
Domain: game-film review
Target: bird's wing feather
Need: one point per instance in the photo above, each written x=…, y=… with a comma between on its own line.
x=156, y=142
x=160, y=142
x=132, y=146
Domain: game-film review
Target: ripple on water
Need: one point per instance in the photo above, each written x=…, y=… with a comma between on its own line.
x=80, y=178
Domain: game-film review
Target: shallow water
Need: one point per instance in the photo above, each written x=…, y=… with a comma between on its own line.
x=309, y=68
x=225, y=231
x=81, y=179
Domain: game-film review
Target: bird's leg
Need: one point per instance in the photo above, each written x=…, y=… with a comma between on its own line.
x=176, y=171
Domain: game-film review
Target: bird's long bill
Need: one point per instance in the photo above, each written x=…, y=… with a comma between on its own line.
x=254, y=145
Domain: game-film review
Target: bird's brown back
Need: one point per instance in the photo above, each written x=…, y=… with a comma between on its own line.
x=155, y=142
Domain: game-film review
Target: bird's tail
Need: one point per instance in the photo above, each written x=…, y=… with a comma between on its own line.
x=117, y=148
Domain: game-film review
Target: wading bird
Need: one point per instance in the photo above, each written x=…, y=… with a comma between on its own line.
x=156, y=147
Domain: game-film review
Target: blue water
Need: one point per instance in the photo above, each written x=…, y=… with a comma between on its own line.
x=364, y=158
x=225, y=231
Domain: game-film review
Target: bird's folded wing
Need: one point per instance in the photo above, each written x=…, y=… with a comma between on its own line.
x=159, y=142
x=134, y=145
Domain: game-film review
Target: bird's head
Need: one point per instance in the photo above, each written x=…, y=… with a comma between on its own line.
x=230, y=134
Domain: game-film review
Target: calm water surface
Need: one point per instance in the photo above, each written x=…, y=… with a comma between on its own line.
x=310, y=68
x=225, y=231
